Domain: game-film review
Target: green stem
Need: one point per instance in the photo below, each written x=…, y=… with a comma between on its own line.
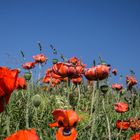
x=7, y=125
x=92, y=128
x=79, y=96
x=93, y=98
x=27, y=114
x=91, y=111
x=107, y=119
x=7, y=116
x=36, y=118
x=69, y=82
x=39, y=74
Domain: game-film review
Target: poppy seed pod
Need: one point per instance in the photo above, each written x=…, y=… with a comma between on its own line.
x=36, y=100
x=27, y=76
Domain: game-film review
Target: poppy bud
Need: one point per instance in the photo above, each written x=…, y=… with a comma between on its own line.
x=27, y=76
x=54, y=60
x=104, y=88
x=36, y=100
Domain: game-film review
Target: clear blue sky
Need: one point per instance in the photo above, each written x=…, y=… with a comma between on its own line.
x=82, y=28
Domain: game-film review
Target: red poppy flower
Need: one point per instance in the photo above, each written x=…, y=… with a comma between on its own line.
x=40, y=58
x=123, y=125
x=28, y=65
x=55, y=82
x=7, y=85
x=48, y=71
x=67, y=70
x=21, y=83
x=135, y=136
x=114, y=71
x=121, y=107
x=66, y=120
x=98, y=72
x=24, y=135
x=134, y=123
x=117, y=87
x=77, y=80
x=46, y=79
x=131, y=81
x=51, y=77
x=74, y=60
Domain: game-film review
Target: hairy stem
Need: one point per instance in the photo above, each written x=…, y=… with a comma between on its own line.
x=107, y=119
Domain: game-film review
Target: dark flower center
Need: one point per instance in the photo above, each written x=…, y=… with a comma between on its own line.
x=66, y=132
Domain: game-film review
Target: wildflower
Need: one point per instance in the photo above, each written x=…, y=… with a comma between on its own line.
x=67, y=70
x=40, y=58
x=51, y=77
x=98, y=72
x=55, y=82
x=135, y=136
x=131, y=81
x=121, y=107
x=134, y=123
x=21, y=83
x=77, y=80
x=7, y=85
x=74, y=60
x=117, y=87
x=66, y=121
x=24, y=135
x=28, y=65
x=123, y=125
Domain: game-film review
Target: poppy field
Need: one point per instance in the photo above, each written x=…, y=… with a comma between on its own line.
x=70, y=101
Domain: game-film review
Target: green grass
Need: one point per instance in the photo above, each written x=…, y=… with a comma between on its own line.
x=95, y=109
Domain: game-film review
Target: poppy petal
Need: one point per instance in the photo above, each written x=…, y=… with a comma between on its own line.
x=55, y=124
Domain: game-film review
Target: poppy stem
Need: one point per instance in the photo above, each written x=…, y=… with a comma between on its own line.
x=107, y=119
x=79, y=96
x=7, y=116
x=93, y=98
x=27, y=114
x=36, y=118
x=39, y=74
x=69, y=81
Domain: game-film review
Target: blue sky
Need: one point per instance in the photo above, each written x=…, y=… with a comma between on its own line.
x=82, y=28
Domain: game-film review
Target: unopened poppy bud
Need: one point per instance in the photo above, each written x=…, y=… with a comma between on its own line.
x=36, y=100
x=55, y=61
x=104, y=88
x=27, y=76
